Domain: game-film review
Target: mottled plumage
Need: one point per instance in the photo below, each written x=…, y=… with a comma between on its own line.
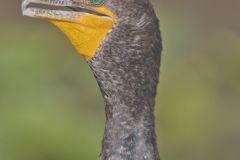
x=126, y=67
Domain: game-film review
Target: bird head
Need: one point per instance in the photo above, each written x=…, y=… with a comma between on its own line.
x=85, y=22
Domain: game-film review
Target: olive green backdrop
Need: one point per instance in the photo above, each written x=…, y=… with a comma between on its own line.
x=51, y=108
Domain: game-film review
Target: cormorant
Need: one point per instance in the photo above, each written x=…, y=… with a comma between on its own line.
x=121, y=42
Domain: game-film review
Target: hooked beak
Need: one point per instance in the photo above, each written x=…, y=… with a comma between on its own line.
x=63, y=10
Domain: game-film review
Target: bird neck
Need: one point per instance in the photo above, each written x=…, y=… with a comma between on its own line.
x=129, y=89
x=129, y=130
x=126, y=67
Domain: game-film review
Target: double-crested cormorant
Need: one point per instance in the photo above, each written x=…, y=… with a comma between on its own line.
x=121, y=42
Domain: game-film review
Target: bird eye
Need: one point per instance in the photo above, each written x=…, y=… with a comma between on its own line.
x=97, y=2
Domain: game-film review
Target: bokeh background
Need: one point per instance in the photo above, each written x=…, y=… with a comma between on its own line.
x=51, y=108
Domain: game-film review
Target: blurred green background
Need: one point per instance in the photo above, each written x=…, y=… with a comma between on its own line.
x=51, y=108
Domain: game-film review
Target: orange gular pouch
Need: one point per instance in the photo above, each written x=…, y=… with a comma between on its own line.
x=87, y=31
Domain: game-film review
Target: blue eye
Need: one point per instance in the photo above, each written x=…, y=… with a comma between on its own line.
x=97, y=2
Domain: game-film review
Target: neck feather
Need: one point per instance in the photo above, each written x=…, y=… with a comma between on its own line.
x=127, y=69
x=129, y=91
x=129, y=130
x=129, y=104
